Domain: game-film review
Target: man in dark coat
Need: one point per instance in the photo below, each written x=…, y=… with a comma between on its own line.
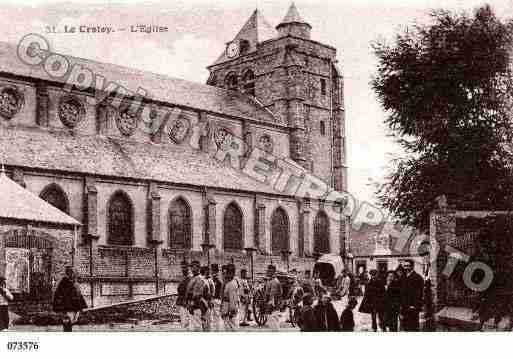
x=326, y=316
x=347, y=317
x=306, y=320
x=372, y=302
x=412, y=287
x=68, y=300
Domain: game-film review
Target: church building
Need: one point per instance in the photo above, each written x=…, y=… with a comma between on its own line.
x=146, y=201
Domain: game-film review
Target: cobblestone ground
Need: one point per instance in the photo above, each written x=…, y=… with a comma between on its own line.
x=362, y=321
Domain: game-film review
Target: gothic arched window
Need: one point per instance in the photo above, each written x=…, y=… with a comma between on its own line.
x=279, y=231
x=120, y=220
x=54, y=195
x=321, y=233
x=232, y=82
x=180, y=225
x=232, y=224
x=248, y=82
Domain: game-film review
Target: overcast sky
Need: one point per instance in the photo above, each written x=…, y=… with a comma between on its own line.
x=200, y=29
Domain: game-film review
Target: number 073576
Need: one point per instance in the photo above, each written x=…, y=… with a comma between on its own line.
x=22, y=346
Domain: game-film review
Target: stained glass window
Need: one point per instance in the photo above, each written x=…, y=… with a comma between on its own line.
x=232, y=228
x=179, y=225
x=54, y=195
x=279, y=231
x=120, y=231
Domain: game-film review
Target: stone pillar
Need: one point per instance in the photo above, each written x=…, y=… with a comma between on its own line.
x=91, y=210
x=304, y=228
x=442, y=230
x=210, y=219
x=247, y=137
x=204, y=141
x=154, y=215
x=42, y=104
x=260, y=242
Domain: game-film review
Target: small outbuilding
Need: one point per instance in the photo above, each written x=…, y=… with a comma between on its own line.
x=37, y=241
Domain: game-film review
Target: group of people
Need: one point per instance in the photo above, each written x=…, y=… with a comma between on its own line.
x=394, y=301
x=207, y=302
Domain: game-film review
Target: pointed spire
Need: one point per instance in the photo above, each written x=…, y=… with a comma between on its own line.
x=292, y=16
x=293, y=24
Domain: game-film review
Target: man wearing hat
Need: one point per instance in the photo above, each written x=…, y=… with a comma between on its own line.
x=244, y=297
x=216, y=321
x=197, y=290
x=273, y=293
x=230, y=302
x=5, y=298
x=68, y=300
x=181, y=301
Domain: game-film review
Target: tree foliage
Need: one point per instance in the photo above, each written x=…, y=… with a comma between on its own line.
x=447, y=89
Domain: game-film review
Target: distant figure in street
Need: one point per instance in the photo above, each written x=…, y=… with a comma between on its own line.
x=209, y=293
x=326, y=317
x=245, y=298
x=307, y=283
x=5, y=298
x=197, y=293
x=319, y=288
x=391, y=302
x=306, y=320
x=230, y=303
x=68, y=300
x=412, y=289
x=342, y=285
x=372, y=302
x=273, y=294
x=181, y=300
x=347, y=317
x=217, y=322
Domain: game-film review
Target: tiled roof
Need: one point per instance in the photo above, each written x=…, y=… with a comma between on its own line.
x=57, y=150
x=18, y=203
x=160, y=87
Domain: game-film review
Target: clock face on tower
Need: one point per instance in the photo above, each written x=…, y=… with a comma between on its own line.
x=232, y=49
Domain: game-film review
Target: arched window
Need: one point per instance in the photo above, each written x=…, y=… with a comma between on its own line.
x=232, y=224
x=248, y=82
x=180, y=225
x=232, y=82
x=321, y=233
x=54, y=195
x=279, y=231
x=120, y=220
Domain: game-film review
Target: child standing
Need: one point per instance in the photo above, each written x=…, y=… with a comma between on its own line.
x=347, y=318
x=5, y=298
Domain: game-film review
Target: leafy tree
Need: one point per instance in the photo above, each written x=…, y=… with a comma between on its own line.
x=447, y=89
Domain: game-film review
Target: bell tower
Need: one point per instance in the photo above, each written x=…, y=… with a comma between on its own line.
x=298, y=80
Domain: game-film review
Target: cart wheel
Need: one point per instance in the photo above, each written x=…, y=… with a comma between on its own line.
x=259, y=310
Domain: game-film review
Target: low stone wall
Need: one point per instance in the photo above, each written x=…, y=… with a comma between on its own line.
x=152, y=308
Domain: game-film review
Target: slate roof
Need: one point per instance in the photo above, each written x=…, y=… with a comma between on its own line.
x=160, y=87
x=35, y=147
x=18, y=203
x=292, y=16
x=255, y=31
